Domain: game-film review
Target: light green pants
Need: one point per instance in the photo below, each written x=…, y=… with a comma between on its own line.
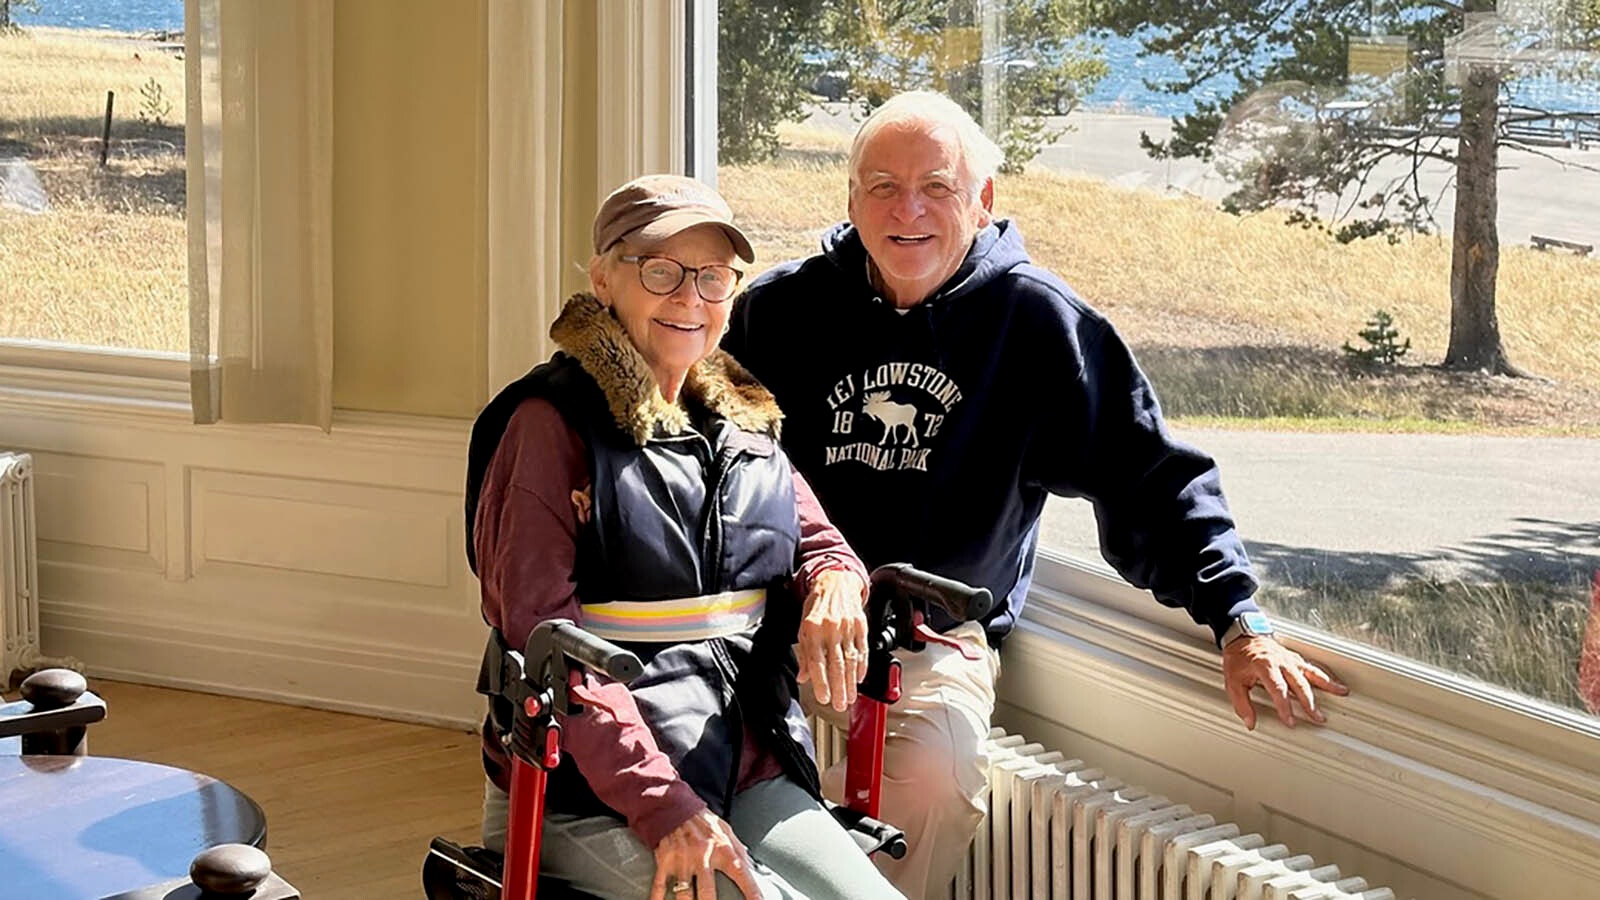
x=799, y=851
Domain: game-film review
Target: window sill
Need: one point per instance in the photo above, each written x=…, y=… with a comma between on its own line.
x=1523, y=747
x=115, y=386
x=49, y=374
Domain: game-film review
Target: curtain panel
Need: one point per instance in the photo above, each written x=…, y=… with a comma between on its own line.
x=583, y=95
x=260, y=214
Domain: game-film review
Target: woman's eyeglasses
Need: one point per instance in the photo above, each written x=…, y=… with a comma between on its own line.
x=661, y=276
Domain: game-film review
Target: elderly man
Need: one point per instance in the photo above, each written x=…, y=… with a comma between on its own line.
x=937, y=387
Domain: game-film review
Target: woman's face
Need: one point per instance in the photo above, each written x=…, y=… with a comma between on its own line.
x=675, y=331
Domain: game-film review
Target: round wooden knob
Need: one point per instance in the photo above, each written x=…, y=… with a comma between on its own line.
x=53, y=688
x=230, y=869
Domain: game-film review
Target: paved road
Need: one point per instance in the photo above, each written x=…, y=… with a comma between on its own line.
x=1362, y=506
x=1554, y=195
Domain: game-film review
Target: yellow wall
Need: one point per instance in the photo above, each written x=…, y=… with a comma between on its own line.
x=580, y=122
x=409, y=206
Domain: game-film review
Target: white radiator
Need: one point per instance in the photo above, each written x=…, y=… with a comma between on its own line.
x=19, y=566
x=1060, y=830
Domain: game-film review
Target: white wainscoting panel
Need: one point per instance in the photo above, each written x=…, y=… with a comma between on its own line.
x=100, y=509
x=324, y=527
x=268, y=561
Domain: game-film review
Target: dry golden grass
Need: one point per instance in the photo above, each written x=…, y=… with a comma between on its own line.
x=106, y=264
x=1522, y=635
x=1244, y=317
x=53, y=81
x=91, y=277
x=1181, y=256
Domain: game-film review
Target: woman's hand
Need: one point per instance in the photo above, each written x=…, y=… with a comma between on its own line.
x=688, y=858
x=833, y=637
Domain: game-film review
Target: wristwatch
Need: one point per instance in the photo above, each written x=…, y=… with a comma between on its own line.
x=1251, y=624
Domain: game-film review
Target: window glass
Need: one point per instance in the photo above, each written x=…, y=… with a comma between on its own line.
x=1354, y=249
x=92, y=245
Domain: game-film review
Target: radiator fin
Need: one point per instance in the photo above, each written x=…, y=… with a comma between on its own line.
x=19, y=565
x=1060, y=829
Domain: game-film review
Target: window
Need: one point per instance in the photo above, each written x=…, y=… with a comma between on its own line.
x=92, y=235
x=1397, y=376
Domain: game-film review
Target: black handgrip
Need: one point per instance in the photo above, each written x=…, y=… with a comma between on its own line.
x=871, y=835
x=596, y=653
x=888, y=838
x=962, y=601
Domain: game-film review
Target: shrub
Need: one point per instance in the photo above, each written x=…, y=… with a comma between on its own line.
x=1384, y=347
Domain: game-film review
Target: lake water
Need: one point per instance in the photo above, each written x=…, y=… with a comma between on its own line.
x=113, y=15
x=1123, y=90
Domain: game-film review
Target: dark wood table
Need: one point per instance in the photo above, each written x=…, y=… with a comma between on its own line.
x=90, y=826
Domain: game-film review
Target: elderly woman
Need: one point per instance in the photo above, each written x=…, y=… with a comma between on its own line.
x=634, y=484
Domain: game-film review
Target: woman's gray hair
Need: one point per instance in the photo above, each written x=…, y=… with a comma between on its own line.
x=979, y=155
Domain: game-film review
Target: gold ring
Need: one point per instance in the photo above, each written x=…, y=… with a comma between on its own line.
x=681, y=886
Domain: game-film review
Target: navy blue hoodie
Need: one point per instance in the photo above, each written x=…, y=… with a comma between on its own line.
x=933, y=436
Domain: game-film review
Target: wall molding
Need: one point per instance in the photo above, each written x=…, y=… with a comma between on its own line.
x=1477, y=730
x=270, y=561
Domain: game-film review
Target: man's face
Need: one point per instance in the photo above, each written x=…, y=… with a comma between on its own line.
x=914, y=208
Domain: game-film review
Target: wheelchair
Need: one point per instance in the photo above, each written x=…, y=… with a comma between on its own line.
x=536, y=683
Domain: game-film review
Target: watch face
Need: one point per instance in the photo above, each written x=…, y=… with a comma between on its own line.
x=1255, y=623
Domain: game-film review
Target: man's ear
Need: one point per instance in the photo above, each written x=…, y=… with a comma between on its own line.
x=986, y=199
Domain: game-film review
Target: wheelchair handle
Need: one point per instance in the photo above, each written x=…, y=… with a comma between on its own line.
x=962, y=601
x=593, y=652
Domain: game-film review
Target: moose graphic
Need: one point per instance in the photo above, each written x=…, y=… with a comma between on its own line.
x=892, y=415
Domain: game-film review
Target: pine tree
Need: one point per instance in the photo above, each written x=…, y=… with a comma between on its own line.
x=1446, y=103
x=1383, y=348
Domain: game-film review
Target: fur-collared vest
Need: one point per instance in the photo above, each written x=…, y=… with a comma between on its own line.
x=686, y=500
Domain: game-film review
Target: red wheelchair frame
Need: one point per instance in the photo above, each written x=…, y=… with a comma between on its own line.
x=896, y=612
x=537, y=681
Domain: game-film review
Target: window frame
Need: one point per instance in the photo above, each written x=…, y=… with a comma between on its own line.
x=154, y=380
x=1529, y=748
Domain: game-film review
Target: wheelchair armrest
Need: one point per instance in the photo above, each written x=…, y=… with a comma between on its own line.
x=869, y=834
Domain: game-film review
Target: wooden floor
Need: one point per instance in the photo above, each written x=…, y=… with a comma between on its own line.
x=351, y=802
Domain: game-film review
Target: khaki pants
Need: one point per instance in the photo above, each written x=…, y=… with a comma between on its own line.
x=935, y=769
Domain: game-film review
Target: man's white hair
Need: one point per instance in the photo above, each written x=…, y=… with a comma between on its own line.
x=979, y=155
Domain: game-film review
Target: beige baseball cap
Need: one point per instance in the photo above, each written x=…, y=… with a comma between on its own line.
x=656, y=207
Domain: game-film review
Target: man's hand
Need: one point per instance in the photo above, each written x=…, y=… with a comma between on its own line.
x=833, y=637
x=1251, y=661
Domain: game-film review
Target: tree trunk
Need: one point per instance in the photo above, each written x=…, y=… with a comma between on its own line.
x=1475, y=255
x=5, y=15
